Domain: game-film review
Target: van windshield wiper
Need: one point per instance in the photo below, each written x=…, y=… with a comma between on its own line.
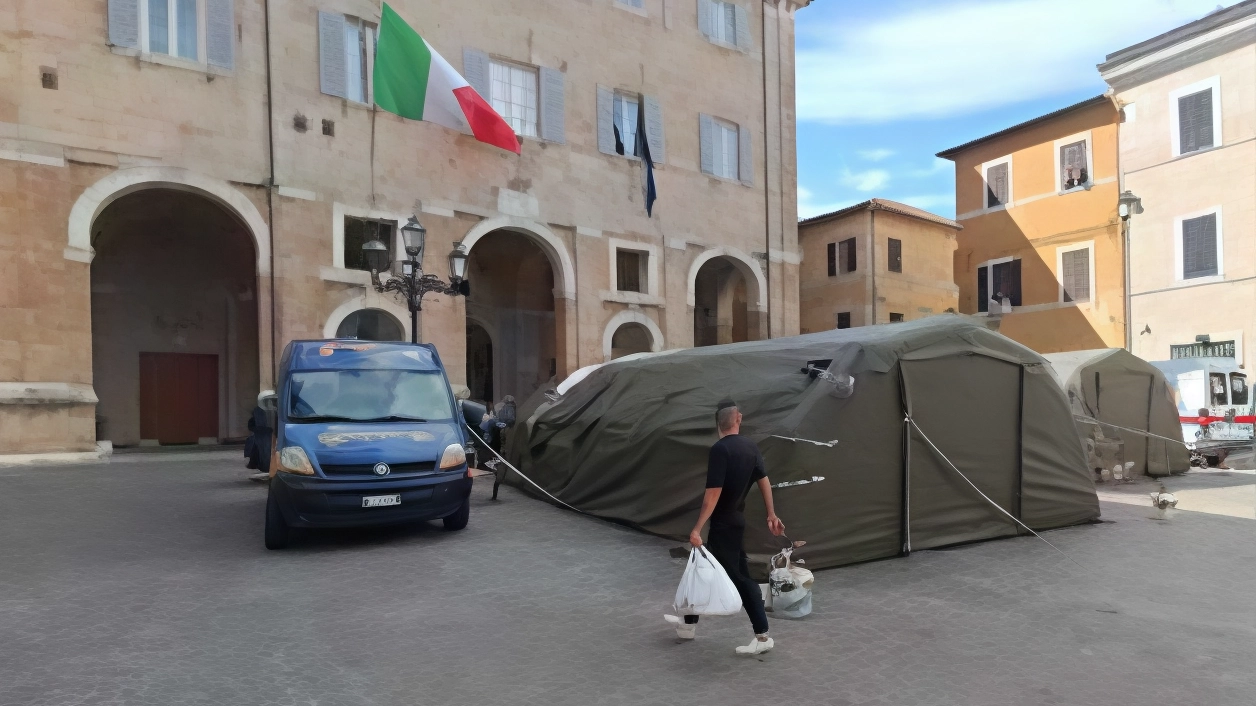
x=394, y=418
x=326, y=418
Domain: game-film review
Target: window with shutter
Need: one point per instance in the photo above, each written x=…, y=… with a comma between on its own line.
x=832, y=259
x=513, y=89
x=983, y=289
x=332, y=77
x=996, y=185
x=843, y=319
x=654, y=129
x=1195, y=121
x=1199, y=247
x=220, y=33
x=725, y=142
x=475, y=70
x=359, y=231
x=553, y=105
x=896, y=318
x=1005, y=281
x=629, y=266
x=846, y=256
x=1075, y=275
x=895, y=251
x=1074, y=171
x=606, y=121
x=124, y=23
x=745, y=156
x=626, y=110
x=172, y=27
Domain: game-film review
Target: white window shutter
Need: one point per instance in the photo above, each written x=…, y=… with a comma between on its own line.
x=476, y=71
x=706, y=137
x=605, y=120
x=745, y=156
x=654, y=129
x=332, y=72
x=705, y=10
x=124, y=23
x=743, y=28
x=220, y=33
x=553, y=123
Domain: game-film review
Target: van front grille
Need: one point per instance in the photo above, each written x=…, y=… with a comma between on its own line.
x=368, y=469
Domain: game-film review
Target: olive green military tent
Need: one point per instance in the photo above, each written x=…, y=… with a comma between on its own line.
x=1111, y=386
x=629, y=441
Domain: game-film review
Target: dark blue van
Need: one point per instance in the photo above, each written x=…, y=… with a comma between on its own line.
x=367, y=433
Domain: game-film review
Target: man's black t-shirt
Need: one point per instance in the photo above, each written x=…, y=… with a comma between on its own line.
x=733, y=464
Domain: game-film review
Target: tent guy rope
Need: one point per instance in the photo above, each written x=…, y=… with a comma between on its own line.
x=521, y=475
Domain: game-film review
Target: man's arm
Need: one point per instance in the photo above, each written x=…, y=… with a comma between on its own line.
x=709, y=498
x=775, y=526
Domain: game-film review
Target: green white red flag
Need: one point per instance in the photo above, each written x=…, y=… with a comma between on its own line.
x=414, y=81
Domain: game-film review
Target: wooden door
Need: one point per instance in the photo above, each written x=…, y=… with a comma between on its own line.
x=178, y=397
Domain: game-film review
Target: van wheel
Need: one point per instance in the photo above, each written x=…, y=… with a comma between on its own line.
x=459, y=519
x=277, y=531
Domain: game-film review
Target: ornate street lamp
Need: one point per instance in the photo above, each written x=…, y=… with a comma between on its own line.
x=412, y=284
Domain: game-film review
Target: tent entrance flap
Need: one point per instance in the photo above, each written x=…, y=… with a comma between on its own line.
x=971, y=408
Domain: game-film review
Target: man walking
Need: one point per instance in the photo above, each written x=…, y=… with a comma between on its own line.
x=733, y=465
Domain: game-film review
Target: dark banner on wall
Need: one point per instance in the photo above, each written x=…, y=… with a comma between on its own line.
x=1213, y=349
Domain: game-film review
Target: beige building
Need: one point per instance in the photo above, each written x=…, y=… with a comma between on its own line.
x=876, y=262
x=185, y=186
x=1188, y=151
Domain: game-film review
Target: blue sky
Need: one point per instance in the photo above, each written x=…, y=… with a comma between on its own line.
x=883, y=85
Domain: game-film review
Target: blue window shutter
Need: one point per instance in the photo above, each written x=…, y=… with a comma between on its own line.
x=124, y=23
x=220, y=33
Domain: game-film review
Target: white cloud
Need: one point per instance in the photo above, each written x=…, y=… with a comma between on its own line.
x=938, y=166
x=875, y=155
x=952, y=57
x=941, y=204
x=808, y=207
x=869, y=180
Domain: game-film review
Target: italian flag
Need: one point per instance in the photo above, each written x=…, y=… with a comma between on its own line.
x=413, y=81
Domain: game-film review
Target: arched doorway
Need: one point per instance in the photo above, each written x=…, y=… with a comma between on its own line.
x=371, y=325
x=174, y=319
x=629, y=339
x=479, y=362
x=512, y=300
x=721, y=305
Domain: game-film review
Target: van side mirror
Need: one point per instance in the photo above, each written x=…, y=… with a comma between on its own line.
x=268, y=400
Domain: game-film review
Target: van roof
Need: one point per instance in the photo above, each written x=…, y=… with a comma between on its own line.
x=355, y=354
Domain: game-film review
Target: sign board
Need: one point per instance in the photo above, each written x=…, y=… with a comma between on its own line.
x=1212, y=349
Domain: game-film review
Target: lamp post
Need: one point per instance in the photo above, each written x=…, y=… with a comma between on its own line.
x=1128, y=205
x=413, y=283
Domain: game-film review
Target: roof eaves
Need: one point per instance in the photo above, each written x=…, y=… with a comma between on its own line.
x=1178, y=34
x=884, y=205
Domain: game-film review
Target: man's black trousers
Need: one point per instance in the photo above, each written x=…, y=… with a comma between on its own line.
x=725, y=544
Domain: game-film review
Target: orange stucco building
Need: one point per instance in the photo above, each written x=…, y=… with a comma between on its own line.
x=1041, y=250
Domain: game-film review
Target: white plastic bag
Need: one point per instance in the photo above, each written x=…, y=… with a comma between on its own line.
x=705, y=588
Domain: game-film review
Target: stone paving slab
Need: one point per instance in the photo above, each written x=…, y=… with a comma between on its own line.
x=147, y=583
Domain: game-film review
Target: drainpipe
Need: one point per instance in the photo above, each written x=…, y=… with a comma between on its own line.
x=872, y=258
x=767, y=198
x=1125, y=229
x=270, y=193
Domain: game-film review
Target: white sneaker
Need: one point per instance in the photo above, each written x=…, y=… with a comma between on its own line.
x=684, y=631
x=756, y=647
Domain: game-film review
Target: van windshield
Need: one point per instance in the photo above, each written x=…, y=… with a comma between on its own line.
x=368, y=396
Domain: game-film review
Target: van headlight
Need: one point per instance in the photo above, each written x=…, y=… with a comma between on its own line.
x=453, y=457
x=292, y=459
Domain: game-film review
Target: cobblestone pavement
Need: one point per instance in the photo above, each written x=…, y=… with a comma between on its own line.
x=144, y=581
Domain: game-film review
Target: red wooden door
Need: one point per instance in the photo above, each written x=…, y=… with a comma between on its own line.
x=178, y=397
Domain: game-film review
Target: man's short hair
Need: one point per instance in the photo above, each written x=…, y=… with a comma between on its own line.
x=725, y=413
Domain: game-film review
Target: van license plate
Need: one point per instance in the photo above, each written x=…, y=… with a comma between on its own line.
x=381, y=500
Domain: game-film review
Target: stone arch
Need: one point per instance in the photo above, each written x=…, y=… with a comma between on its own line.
x=631, y=316
x=98, y=196
x=743, y=262
x=370, y=300
x=553, y=247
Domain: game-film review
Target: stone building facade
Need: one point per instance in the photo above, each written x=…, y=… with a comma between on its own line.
x=1188, y=151
x=1041, y=252
x=185, y=186
x=876, y=262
